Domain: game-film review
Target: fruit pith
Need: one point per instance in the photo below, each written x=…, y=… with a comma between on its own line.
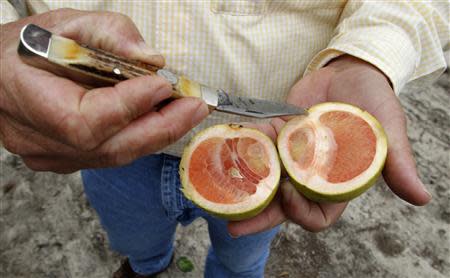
x=230, y=171
x=333, y=154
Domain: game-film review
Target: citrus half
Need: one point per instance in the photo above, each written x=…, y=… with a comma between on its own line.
x=230, y=171
x=335, y=153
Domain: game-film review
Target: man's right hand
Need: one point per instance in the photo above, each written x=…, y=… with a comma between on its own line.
x=56, y=125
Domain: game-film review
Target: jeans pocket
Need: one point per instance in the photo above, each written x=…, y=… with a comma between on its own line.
x=177, y=207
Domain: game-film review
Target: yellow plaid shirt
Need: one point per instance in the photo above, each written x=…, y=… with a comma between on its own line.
x=261, y=48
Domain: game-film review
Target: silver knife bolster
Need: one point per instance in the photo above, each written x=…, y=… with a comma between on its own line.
x=188, y=88
x=210, y=95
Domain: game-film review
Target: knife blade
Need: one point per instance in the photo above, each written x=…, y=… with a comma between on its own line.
x=239, y=105
x=93, y=67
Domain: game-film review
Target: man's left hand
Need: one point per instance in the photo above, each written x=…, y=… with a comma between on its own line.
x=351, y=80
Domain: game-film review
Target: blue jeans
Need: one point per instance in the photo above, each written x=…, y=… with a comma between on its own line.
x=140, y=205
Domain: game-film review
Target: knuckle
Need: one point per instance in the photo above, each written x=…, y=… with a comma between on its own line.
x=119, y=158
x=123, y=158
x=63, y=11
x=120, y=153
x=76, y=132
x=158, y=82
x=172, y=132
x=35, y=165
x=123, y=25
x=104, y=157
x=29, y=163
x=113, y=157
x=315, y=228
x=118, y=20
x=122, y=19
x=126, y=155
x=128, y=112
x=11, y=144
x=65, y=170
x=39, y=165
x=57, y=15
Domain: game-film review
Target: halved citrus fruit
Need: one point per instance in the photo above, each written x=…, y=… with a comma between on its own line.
x=230, y=171
x=335, y=153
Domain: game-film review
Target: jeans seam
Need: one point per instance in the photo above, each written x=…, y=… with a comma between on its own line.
x=177, y=207
x=165, y=189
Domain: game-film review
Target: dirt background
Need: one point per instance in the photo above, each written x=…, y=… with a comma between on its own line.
x=47, y=229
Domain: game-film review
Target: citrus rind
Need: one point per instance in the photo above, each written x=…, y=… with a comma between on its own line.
x=317, y=188
x=265, y=190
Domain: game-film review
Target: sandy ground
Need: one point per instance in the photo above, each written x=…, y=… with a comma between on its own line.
x=47, y=228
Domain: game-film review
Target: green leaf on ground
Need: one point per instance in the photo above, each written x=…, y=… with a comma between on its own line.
x=184, y=264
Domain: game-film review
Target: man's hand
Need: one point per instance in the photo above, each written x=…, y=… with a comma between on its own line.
x=346, y=79
x=56, y=125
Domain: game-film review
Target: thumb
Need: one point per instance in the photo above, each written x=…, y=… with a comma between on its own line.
x=112, y=32
x=311, y=89
x=400, y=171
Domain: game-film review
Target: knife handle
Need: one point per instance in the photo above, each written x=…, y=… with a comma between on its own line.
x=93, y=68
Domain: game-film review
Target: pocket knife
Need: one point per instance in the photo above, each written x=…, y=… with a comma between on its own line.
x=93, y=67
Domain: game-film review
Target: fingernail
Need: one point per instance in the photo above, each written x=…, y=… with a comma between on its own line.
x=163, y=93
x=145, y=48
x=428, y=193
x=151, y=55
x=160, y=95
x=233, y=236
x=200, y=114
x=425, y=189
